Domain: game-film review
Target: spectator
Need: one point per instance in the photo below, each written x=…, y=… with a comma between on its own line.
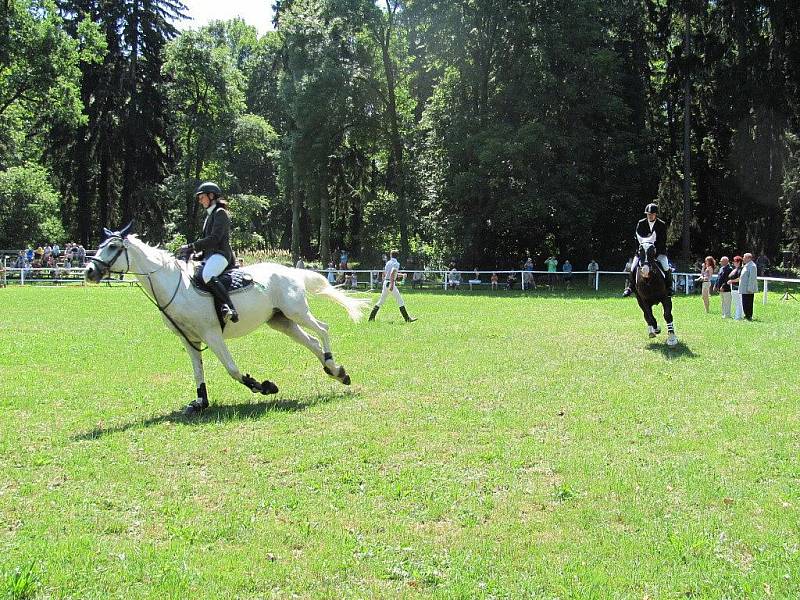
x=627, y=270
x=56, y=250
x=723, y=287
x=511, y=280
x=493, y=281
x=706, y=273
x=353, y=281
x=331, y=273
x=300, y=264
x=593, y=268
x=343, y=258
x=416, y=279
x=39, y=252
x=22, y=260
x=748, y=285
x=453, y=279
x=29, y=254
x=476, y=279
x=48, y=252
x=733, y=280
x=527, y=275
x=81, y=255
x=552, y=269
x=566, y=268
x=763, y=265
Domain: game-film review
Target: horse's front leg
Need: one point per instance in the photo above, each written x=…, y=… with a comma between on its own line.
x=647, y=311
x=200, y=403
x=220, y=349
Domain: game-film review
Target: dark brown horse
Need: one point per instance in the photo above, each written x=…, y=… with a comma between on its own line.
x=651, y=289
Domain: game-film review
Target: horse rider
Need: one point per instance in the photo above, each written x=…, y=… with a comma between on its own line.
x=215, y=244
x=645, y=228
x=390, y=274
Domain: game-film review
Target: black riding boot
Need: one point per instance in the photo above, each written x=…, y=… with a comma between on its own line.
x=628, y=291
x=668, y=281
x=374, y=312
x=221, y=294
x=404, y=312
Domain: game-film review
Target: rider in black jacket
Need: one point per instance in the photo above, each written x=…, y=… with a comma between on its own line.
x=215, y=245
x=644, y=228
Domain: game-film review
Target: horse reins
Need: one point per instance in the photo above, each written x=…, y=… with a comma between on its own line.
x=154, y=299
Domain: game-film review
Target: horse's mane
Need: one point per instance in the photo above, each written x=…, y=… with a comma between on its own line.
x=155, y=253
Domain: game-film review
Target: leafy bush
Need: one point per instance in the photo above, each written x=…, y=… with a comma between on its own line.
x=29, y=210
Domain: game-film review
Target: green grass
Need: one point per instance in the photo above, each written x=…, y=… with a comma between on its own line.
x=503, y=446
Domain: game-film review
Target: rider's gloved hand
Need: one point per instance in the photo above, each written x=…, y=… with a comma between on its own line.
x=185, y=251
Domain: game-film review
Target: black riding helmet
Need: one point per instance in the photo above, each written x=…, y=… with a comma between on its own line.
x=651, y=208
x=209, y=187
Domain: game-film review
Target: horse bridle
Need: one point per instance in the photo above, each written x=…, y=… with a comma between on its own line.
x=107, y=267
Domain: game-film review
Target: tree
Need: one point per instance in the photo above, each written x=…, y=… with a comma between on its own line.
x=28, y=207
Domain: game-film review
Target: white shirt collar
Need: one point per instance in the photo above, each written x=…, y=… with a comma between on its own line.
x=211, y=208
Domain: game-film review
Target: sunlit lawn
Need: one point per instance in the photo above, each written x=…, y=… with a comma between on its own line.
x=503, y=446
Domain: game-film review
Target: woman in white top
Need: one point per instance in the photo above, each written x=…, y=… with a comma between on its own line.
x=706, y=273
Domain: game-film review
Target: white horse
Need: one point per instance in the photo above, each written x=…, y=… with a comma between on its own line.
x=277, y=297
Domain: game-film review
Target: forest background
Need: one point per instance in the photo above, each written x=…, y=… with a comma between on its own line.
x=475, y=130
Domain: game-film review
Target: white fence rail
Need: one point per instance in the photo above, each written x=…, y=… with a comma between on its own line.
x=371, y=278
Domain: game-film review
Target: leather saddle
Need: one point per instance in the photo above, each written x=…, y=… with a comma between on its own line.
x=234, y=280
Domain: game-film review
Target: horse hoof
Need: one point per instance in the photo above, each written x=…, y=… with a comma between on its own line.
x=195, y=407
x=345, y=380
x=652, y=334
x=267, y=387
x=657, y=331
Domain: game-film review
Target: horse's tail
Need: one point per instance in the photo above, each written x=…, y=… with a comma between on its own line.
x=319, y=286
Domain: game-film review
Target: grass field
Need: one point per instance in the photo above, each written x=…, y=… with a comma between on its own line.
x=503, y=446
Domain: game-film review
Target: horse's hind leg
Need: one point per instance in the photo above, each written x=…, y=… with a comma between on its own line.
x=320, y=329
x=220, y=349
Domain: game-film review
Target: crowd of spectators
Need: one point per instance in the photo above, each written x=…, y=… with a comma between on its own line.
x=54, y=261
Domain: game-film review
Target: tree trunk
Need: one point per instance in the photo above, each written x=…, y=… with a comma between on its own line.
x=130, y=189
x=395, y=176
x=294, y=199
x=324, y=216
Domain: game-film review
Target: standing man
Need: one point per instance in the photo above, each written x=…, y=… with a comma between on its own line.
x=723, y=287
x=593, y=268
x=748, y=285
x=552, y=265
x=215, y=244
x=390, y=274
x=645, y=228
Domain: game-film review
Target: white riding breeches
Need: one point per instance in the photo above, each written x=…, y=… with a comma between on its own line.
x=215, y=265
x=385, y=292
x=661, y=258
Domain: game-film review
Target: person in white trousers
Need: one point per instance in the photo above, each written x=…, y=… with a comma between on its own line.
x=390, y=274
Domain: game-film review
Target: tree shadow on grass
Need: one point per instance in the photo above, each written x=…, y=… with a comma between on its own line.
x=680, y=350
x=218, y=413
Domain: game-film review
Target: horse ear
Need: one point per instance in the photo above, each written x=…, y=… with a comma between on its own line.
x=126, y=230
x=107, y=232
